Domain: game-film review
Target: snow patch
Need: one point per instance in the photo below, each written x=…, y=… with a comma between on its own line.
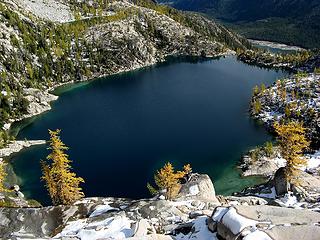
x=200, y=231
x=118, y=227
x=235, y=222
x=313, y=160
x=100, y=209
x=219, y=213
x=194, y=190
x=289, y=200
x=271, y=195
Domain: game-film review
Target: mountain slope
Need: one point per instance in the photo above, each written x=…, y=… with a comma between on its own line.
x=292, y=22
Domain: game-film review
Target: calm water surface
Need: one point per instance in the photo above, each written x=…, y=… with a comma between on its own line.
x=122, y=128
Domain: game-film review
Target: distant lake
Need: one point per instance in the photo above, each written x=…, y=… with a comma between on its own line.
x=121, y=128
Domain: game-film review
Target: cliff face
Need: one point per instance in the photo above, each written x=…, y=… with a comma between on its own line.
x=196, y=214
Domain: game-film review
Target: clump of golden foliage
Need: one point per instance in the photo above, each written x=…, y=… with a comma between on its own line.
x=61, y=183
x=167, y=180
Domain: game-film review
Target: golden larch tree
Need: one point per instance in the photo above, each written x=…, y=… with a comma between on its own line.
x=3, y=175
x=61, y=183
x=292, y=141
x=167, y=179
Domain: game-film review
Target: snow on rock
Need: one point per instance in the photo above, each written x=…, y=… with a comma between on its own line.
x=235, y=222
x=271, y=195
x=118, y=227
x=219, y=213
x=199, y=231
x=257, y=235
x=194, y=190
x=6, y=126
x=313, y=160
x=100, y=209
x=238, y=225
x=72, y=228
x=289, y=200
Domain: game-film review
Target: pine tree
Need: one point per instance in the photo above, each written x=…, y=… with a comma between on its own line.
x=61, y=183
x=292, y=141
x=2, y=177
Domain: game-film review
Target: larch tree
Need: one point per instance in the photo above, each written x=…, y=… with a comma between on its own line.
x=2, y=176
x=61, y=183
x=166, y=179
x=292, y=141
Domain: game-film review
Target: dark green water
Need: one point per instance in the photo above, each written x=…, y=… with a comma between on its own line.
x=122, y=128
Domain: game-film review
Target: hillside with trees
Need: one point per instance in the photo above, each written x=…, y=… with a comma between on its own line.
x=291, y=22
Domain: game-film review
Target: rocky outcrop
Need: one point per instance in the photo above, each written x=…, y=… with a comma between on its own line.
x=262, y=166
x=93, y=218
x=39, y=101
x=199, y=186
x=55, y=11
x=16, y=146
x=197, y=216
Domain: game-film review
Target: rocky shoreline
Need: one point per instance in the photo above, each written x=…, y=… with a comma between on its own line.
x=193, y=215
x=17, y=146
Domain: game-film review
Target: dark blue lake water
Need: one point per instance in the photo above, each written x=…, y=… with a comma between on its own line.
x=122, y=128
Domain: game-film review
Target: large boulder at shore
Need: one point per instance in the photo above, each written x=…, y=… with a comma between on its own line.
x=198, y=186
x=280, y=182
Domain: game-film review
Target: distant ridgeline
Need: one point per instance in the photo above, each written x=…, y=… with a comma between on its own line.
x=100, y=37
x=291, y=22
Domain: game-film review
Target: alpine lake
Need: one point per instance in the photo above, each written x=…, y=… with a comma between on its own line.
x=122, y=128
